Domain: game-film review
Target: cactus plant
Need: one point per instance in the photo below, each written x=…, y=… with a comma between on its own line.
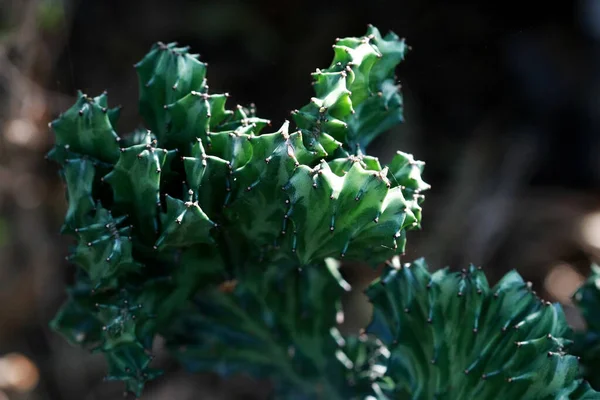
x=587, y=342
x=223, y=240
x=452, y=336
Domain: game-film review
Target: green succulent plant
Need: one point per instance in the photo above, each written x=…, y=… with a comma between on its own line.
x=451, y=336
x=587, y=342
x=223, y=240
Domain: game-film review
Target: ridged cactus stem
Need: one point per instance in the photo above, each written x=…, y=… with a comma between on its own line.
x=226, y=242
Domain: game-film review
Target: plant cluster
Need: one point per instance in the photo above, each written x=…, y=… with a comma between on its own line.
x=225, y=241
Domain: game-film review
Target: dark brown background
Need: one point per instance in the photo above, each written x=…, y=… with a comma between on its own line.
x=502, y=102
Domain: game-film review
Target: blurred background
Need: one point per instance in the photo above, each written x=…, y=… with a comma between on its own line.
x=502, y=102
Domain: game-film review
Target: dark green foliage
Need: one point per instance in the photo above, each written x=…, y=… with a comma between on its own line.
x=284, y=328
x=118, y=323
x=222, y=239
x=165, y=75
x=86, y=129
x=203, y=198
x=135, y=182
x=79, y=177
x=351, y=214
x=357, y=97
x=104, y=248
x=451, y=336
x=587, y=343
